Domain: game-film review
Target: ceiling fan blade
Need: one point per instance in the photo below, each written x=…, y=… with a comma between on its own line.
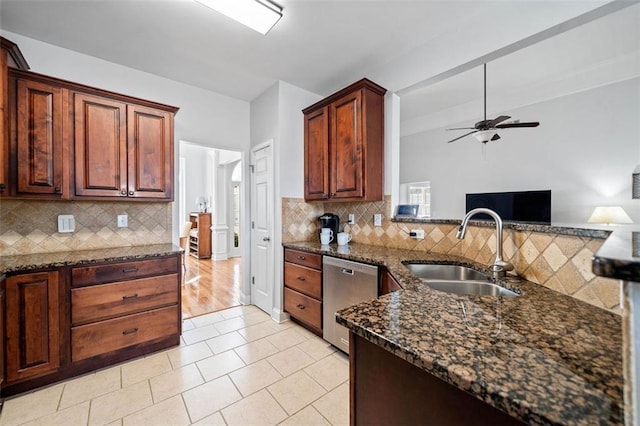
x=462, y=128
x=460, y=137
x=508, y=125
x=492, y=123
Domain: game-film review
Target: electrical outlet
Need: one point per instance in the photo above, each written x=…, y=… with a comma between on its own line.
x=377, y=219
x=417, y=234
x=123, y=221
x=66, y=223
x=352, y=219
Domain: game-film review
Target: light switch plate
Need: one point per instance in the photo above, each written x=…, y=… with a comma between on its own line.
x=123, y=221
x=66, y=223
x=352, y=219
x=377, y=219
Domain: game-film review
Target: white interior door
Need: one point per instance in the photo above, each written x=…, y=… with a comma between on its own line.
x=262, y=227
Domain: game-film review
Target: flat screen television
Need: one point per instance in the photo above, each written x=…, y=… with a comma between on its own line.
x=522, y=206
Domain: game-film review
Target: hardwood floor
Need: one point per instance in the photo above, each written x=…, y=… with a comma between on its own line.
x=210, y=285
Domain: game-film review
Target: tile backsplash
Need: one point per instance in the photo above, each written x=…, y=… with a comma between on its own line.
x=28, y=226
x=559, y=262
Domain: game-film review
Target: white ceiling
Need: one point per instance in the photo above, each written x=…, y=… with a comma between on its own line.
x=596, y=53
x=429, y=51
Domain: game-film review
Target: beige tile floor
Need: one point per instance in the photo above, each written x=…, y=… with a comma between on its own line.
x=234, y=367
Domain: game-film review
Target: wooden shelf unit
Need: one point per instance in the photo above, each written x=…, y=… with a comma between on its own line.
x=200, y=235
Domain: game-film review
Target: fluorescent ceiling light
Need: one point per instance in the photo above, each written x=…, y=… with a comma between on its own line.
x=259, y=15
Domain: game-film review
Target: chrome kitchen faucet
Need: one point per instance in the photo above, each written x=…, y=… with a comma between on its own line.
x=499, y=267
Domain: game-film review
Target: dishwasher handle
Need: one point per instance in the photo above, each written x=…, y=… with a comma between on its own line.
x=346, y=271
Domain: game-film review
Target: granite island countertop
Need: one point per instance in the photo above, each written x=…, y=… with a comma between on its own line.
x=542, y=357
x=31, y=262
x=619, y=257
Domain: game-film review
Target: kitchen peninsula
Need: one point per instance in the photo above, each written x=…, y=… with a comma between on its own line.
x=541, y=358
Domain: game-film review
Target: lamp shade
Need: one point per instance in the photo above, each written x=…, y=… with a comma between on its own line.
x=609, y=214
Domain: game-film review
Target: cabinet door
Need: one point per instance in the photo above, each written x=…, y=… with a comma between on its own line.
x=4, y=121
x=32, y=325
x=150, y=146
x=39, y=138
x=2, y=340
x=100, y=146
x=316, y=155
x=346, y=147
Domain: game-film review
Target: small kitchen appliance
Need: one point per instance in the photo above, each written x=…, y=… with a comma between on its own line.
x=331, y=221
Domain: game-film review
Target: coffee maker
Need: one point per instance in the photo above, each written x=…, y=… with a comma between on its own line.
x=331, y=221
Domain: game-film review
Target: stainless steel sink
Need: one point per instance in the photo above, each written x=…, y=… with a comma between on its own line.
x=430, y=271
x=457, y=279
x=478, y=288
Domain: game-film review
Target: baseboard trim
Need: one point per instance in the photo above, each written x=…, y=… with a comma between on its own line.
x=279, y=316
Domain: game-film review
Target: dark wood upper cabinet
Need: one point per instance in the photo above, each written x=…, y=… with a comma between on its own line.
x=69, y=141
x=100, y=146
x=344, y=140
x=10, y=55
x=150, y=152
x=316, y=158
x=39, y=141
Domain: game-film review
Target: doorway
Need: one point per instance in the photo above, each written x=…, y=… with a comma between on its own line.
x=211, y=182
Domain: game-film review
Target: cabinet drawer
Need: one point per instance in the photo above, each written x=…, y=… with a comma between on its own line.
x=106, y=336
x=104, y=301
x=303, y=258
x=303, y=308
x=305, y=280
x=122, y=271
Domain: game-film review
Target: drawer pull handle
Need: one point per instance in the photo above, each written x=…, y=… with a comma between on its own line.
x=300, y=278
x=133, y=296
x=128, y=270
x=300, y=306
x=130, y=331
x=301, y=258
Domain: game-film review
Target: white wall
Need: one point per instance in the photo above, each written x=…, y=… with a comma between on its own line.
x=197, y=184
x=277, y=115
x=584, y=151
x=291, y=131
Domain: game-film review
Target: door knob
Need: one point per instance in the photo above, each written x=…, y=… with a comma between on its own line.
x=266, y=239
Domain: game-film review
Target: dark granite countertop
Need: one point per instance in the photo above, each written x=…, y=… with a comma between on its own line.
x=619, y=257
x=31, y=262
x=542, y=357
x=577, y=230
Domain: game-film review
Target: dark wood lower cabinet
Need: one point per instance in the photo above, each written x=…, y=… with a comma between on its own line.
x=387, y=390
x=72, y=320
x=33, y=325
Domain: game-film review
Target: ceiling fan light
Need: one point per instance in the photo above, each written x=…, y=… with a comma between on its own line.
x=259, y=15
x=484, y=136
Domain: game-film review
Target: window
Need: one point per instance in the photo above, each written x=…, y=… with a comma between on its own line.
x=417, y=193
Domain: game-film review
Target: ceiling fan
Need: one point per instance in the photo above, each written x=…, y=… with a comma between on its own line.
x=487, y=130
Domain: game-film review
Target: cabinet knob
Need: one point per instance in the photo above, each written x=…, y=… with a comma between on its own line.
x=299, y=306
x=266, y=239
x=131, y=192
x=300, y=278
x=1, y=188
x=57, y=189
x=123, y=192
x=130, y=331
x=301, y=258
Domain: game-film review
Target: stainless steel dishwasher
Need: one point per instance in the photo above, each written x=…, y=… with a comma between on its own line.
x=344, y=284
